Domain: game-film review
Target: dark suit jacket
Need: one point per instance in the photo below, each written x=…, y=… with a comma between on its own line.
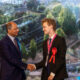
x=59, y=67
x=12, y=67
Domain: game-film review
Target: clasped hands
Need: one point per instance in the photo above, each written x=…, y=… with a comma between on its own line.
x=31, y=67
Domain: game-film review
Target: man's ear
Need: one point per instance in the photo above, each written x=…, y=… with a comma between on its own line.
x=9, y=30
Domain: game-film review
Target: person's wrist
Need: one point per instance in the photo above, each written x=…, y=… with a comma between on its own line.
x=52, y=74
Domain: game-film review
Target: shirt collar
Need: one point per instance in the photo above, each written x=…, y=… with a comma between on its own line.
x=11, y=37
x=52, y=36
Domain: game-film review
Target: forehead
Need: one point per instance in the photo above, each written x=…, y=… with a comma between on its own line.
x=45, y=24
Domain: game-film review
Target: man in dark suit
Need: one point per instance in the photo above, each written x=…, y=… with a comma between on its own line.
x=12, y=67
x=54, y=52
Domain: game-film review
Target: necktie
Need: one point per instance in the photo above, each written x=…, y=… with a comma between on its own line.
x=49, y=40
x=16, y=44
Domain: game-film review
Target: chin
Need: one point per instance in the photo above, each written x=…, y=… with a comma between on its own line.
x=45, y=33
x=15, y=35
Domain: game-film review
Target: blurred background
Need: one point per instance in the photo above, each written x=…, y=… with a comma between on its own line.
x=28, y=15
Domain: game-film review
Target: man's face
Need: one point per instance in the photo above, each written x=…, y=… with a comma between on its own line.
x=46, y=28
x=14, y=30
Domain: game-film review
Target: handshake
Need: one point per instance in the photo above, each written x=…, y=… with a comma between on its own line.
x=31, y=67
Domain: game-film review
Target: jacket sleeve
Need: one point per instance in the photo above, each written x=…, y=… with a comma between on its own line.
x=60, y=60
x=11, y=59
x=42, y=62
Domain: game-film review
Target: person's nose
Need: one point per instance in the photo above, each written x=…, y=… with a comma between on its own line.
x=43, y=29
x=18, y=30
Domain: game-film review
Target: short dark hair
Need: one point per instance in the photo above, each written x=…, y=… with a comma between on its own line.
x=49, y=22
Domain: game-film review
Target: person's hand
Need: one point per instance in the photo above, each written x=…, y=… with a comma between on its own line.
x=50, y=77
x=31, y=67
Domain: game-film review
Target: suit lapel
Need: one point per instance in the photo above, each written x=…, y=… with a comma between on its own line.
x=18, y=43
x=46, y=47
x=53, y=44
x=12, y=44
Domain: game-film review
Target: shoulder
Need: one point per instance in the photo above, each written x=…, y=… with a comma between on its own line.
x=61, y=41
x=59, y=38
x=4, y=40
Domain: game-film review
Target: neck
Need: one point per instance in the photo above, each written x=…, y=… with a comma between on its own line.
x=51, y=33
x=10, y=35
